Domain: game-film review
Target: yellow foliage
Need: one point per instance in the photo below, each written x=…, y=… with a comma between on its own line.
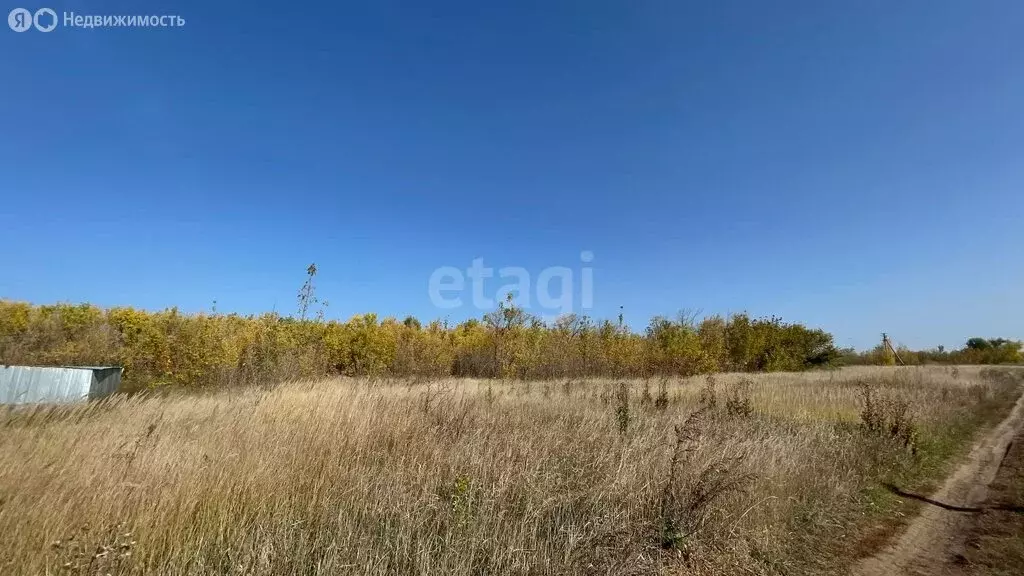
x=169, y=348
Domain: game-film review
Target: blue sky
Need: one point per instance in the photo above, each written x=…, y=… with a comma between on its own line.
x=856, y=166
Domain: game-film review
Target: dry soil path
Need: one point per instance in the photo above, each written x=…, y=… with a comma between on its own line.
x=936, y=535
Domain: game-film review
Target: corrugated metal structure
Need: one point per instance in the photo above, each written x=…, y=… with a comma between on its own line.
x=57, y=384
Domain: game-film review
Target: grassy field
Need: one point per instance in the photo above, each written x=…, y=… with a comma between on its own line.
x=767, y=474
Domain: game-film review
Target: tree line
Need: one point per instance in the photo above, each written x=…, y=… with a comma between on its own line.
x=171, y=348
x=974, y=351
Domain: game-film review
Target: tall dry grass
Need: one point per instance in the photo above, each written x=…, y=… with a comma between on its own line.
x=356, y=476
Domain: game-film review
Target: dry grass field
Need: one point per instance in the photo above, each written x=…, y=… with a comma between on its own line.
x=765, y=474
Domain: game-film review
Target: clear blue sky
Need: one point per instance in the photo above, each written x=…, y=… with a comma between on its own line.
x=857, y=166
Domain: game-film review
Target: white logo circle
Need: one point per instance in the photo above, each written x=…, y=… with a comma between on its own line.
x=43, y=11
x=20, y=19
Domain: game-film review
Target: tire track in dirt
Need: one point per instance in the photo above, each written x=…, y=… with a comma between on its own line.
x=934, y=536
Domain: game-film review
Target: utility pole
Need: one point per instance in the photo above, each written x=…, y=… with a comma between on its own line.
x=887, y=345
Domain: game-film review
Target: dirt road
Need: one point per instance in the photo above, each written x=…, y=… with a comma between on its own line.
x=935, y=538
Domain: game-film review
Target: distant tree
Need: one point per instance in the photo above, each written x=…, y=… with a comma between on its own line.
x=818, y=348
x=979, y=344
x=170, y=348
x=507, y=325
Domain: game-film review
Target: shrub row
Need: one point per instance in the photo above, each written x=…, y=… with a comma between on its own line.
x=172, y=348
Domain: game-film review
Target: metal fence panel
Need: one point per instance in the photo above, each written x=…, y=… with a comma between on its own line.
x=60, y=385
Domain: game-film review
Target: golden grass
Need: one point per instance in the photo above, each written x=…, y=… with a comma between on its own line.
x=353, y=476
